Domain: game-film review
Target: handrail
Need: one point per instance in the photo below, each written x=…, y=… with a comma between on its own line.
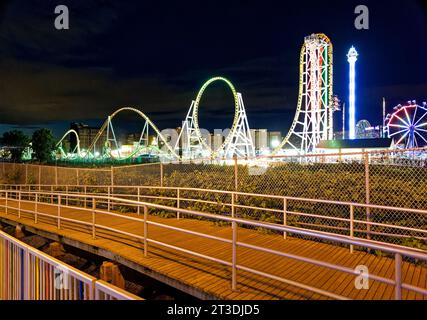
x=95, y=288
x=49, y=259
x=343, y=203
x=397, y=251
x=109, y=291
x=234, y=195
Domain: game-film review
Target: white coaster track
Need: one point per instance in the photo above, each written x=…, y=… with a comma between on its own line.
x=313, y=120
x=238, y=142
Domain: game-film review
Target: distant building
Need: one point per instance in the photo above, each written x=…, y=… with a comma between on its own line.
x=274, y=139
x=132, y=138
x=217, y=139
x=87, y=136
x=260, y=139
x=357, y=145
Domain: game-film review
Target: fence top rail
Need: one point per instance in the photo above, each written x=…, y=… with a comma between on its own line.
x=270, y=196
x=51, y=260
x=271, y=157
x=114, y=291
x=390, y=248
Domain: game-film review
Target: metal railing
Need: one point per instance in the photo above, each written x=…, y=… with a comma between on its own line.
x=105, y=291
x=393, y=178
x=398, y=252
x=29, y=274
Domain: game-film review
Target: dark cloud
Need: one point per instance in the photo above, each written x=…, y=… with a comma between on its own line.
x=155, y=56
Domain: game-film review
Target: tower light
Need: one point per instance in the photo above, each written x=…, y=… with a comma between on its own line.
x=352, y=58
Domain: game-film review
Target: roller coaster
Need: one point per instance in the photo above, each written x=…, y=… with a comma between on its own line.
x=313, y=120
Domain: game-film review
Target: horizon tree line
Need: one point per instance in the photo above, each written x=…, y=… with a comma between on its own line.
x=41, y=144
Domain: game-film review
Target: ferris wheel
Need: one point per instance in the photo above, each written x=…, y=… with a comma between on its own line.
x=407, y=126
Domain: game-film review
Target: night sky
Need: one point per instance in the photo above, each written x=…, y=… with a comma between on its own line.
x=155, y=55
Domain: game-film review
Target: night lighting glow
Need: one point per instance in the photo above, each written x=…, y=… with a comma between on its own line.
x=352, y=58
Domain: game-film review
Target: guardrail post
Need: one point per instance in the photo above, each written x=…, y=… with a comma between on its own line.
x=145, y=231
x=234, y=257
x=93, y=218
x=351, y=226
x=178, y=203
x=59, y=212
x=285, y=216
x=368, y=196
x=398, y=276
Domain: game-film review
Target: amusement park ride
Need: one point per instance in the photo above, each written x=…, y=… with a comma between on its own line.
x=313, y=121
x=407, y=126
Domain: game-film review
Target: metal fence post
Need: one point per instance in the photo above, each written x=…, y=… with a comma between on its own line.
x=161, y=174
x=109, y=195
x=36, y=208
x=139, y=199
x=236, y=184
x=93, y=218
x=40, y=177
x=66, y=197
x=178, y=203
x=85, y=198
x=19, y=205
x=236, y=174
x=351, y=226
x=234, y=257
x=59, y=211
x=232, y=205
x=285, y=216
x=145, y=231
x=398, y=276
x=368, y=200
x=112, y=175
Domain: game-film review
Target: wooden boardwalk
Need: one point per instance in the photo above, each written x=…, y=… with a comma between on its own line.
x=211, y=280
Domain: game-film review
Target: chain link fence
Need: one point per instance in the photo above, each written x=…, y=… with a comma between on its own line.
x=387, y=178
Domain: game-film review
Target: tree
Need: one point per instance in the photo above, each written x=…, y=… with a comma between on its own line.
x=16, y=141
x=43, y=144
